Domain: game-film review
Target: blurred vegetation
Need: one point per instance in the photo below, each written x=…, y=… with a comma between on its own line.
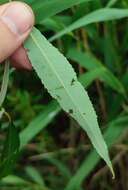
x=55, y=152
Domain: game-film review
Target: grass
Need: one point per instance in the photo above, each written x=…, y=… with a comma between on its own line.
x=55, y=152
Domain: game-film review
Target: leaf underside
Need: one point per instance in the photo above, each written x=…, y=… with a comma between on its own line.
x=59, y=78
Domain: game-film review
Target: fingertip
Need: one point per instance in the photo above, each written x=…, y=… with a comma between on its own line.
x=16, y=22
x=20, y=59
x=18, y=17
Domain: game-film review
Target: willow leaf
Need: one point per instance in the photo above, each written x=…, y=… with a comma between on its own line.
x=59, y=78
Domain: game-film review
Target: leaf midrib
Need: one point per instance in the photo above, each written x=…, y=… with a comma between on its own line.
x=37, y=44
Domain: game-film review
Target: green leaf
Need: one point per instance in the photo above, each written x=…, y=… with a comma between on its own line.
x=34, y=174
x=46, y=9
x=14, y=180
x=111, y=3
x=104, y=14
x=3, y=1
x=87, y=78
x=64, y=171
x=89, y=62
x=10, y=151
x=60, y=79
x=113, y=132
x=56, y=23
x=38, y=123
x=5, y=80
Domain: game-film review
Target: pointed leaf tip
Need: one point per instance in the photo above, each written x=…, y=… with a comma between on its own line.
x=59, y=78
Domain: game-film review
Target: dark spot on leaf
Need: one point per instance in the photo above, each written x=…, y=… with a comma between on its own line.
x=70, y=111
x=73, y=81
x=84, y=113
x=58, y=88
x=58, y=97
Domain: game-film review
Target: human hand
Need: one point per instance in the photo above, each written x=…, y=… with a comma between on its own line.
x=16, y=22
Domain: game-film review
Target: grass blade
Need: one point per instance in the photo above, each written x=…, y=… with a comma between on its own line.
x=4, y=85
x=10, y=151
x=40, y=122
x=89, y=62
x=100, y=15
x=113, y=132
x=47, y=9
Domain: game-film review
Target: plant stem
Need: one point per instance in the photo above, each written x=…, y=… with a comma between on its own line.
x=4, y=83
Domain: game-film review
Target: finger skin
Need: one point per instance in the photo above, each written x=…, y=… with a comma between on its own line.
x=14, y=29
x=20, y=59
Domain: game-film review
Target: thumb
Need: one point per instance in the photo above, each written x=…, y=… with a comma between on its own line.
x=16, y=22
